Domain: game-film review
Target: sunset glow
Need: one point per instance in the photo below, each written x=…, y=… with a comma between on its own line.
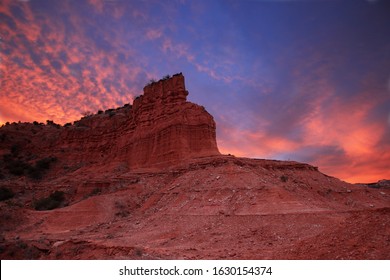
x=293, y=80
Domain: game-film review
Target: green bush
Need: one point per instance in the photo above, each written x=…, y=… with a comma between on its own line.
x=5, y=193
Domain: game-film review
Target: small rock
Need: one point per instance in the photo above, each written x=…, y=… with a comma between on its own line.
x=349, y=191
x=371, y=205
x=382, y=193
x=41, y=246
x=58, y=243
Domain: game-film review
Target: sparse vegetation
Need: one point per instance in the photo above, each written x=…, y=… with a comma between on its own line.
x=151, y=81
x=36, y=172
x=87, y=114
x=45, y=162
x=15, y=149
x=6, y=193
x=166, y=77
x=15, y=166
x=52, y=123
x=284, y=178
x=19, y=167
x=51, y=202
x=96, y=191
x=138, y=252
x=110, y=112
x=121, y=209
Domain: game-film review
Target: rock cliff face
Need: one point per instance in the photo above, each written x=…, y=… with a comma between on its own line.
x=160, y=129
x=165, y=128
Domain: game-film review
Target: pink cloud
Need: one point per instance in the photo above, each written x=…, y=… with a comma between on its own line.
x=153, y=34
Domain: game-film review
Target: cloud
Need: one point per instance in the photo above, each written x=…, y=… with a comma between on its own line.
x=63, y=69
x=153, y=34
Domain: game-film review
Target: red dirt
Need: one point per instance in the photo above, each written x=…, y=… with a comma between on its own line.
x=218, y=207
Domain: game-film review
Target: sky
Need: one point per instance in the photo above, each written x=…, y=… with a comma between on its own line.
x=303, y=80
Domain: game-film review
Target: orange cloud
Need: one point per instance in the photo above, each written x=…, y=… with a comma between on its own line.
x=51, y=73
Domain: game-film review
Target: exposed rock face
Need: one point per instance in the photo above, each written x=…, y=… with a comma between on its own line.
x=166, y=128
x=159, y=130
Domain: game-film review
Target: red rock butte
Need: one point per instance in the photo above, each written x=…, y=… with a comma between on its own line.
x=161, y=128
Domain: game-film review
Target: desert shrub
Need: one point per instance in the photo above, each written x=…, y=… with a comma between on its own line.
x=96, y=191
x=138, y=252
x=17, y=167
x=36, y=172
x=151, y=81
x=51, y=202
x=52, y=123
x=15, y=150
x=283, y=178
x=121, y=209
x=45, y=162
x=100, y=112
x=67, y=124
x=87, y=114
x=166, y=77
x=6, y=193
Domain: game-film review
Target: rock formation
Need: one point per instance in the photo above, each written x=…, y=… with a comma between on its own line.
x=160, y=129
